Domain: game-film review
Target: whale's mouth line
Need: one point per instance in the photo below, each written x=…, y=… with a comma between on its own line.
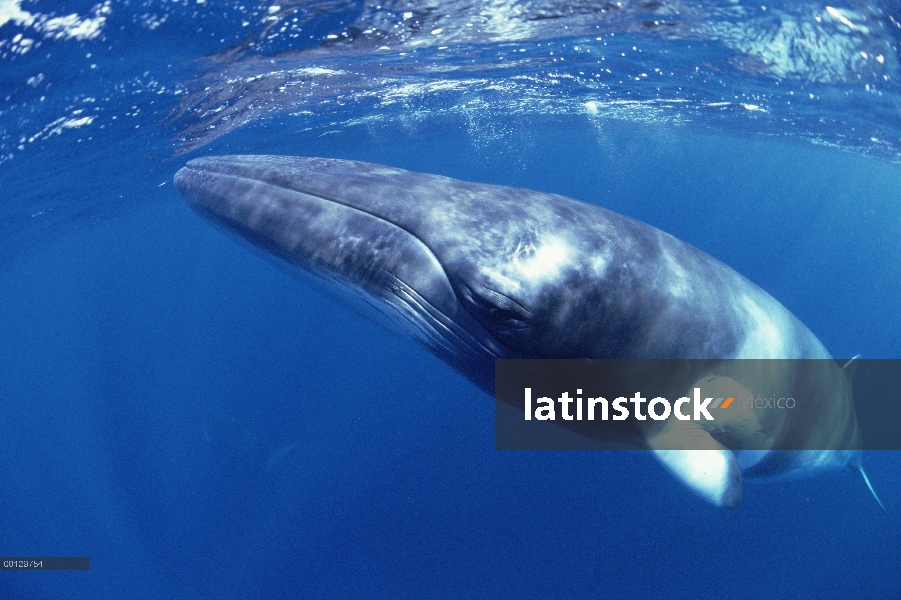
x=399, y=304
x=292, y=188
x=326, y=198
x=192, y=166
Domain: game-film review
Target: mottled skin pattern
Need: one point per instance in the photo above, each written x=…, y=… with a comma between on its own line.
x=476, y=271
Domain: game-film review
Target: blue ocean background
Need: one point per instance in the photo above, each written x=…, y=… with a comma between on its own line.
x=204, y=426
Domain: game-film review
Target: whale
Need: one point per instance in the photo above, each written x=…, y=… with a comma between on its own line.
x=477, y=272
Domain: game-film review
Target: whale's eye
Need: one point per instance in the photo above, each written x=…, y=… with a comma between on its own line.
x=495, y=309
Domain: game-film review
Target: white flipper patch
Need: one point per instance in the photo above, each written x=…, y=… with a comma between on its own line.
x=713, y=474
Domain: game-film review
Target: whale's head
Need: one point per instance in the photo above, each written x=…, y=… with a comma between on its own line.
x=473, y=272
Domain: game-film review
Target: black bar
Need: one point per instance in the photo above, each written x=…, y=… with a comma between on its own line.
x=45, y=563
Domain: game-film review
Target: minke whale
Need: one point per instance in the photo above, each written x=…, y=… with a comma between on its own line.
x=477, y=272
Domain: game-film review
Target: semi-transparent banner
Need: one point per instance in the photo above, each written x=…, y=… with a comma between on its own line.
x=698, y=404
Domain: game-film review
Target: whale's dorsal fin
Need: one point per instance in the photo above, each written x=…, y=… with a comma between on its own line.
x=851, y=366
x=858, y=466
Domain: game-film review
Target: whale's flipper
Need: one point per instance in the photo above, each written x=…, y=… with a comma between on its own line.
x=712, y=474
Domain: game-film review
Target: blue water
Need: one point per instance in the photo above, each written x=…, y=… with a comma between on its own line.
x=203, y=426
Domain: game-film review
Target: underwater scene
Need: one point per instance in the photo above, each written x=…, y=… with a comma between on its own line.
x=196, y=394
